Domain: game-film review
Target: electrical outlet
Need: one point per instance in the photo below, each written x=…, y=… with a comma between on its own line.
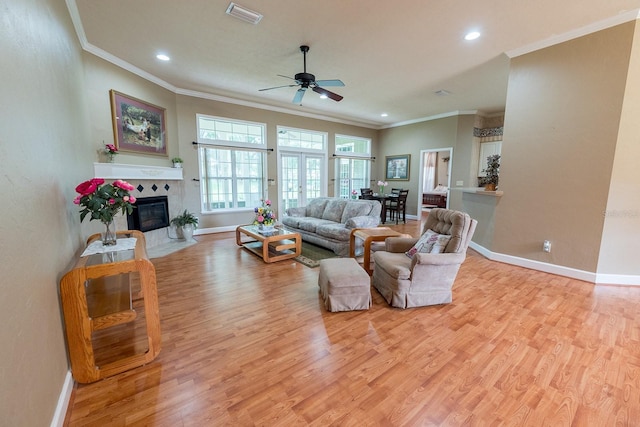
x=546, y=246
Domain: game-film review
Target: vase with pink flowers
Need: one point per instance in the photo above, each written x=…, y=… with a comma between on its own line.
x=103, y=201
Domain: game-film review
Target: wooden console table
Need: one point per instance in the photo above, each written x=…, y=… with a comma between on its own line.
x=101, y=294
x=271, y=247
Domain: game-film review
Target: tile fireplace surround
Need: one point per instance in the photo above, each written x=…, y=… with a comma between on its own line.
x=149, y=181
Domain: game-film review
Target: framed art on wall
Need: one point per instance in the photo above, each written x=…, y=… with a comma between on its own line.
x=397, y=167
x=138, y=127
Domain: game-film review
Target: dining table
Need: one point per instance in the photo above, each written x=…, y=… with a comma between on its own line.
x=385, y=200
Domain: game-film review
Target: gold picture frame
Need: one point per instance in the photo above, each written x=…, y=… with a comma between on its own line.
x=138, y=126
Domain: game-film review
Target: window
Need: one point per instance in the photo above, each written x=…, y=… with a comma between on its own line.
x=353, y=164
x=232, y=163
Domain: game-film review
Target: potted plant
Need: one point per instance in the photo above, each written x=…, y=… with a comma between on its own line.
x=185, y=223
x=177, y=162
x=492, y=171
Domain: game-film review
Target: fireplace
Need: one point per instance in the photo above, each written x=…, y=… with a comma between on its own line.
x=150, y=213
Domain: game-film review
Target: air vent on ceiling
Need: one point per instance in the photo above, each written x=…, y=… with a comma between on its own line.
x=243, y=13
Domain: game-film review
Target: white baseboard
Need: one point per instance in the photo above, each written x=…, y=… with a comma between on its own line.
x=212, y=230
x=63, y=401
x=587, y=276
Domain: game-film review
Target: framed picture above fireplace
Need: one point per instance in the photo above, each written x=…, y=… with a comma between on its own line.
x=138, y=127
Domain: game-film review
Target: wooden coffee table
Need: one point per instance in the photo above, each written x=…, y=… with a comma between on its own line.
x=273, y=246
x=369, y=235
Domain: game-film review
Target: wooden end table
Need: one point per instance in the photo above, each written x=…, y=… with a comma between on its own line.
x=274, y=246
x=369, y=235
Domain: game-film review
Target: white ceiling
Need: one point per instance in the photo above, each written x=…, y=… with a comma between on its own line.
x=392, y=55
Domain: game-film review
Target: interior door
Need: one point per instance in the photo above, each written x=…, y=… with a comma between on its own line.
x=301, y=178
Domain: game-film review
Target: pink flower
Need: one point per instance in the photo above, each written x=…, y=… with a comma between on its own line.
x=267, y=202
x=88, y=187
x=77, y=199
x=260, y=218
x=123, y=184
x=132, y=199
x=112, y=201
x=125, y=198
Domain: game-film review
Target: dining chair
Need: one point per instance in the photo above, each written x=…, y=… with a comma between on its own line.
x=399, y=206
x=366, y=193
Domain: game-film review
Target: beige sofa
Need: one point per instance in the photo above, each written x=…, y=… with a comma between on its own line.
x=328, y=221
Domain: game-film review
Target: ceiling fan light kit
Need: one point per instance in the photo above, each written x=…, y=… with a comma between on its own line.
x=243, y=13
x=307, y=80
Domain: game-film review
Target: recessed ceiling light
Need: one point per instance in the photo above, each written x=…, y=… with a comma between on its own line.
x=162, y=57
x=383, y=115
x=472, y=35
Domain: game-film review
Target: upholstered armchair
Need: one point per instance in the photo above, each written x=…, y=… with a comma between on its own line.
x=424, y=278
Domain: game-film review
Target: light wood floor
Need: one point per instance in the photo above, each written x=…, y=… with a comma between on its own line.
x=247, y=343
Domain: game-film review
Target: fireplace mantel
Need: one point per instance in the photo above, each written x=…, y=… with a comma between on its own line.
x=122, y=171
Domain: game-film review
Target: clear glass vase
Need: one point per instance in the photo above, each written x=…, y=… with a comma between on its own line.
x=109, y=235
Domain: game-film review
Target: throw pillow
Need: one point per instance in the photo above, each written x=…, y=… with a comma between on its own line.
x=429, y=243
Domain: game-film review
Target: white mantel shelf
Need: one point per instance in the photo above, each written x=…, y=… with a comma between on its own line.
x=122, y=171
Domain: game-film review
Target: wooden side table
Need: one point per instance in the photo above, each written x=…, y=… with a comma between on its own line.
x=99, y=293
x=369, y=235
x=278, y=245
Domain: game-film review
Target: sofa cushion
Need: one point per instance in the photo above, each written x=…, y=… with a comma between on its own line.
x=316, y=207
x=333, y=210
x=292, y=221
x=311, y=224
x=353, y=208
x=334, y=231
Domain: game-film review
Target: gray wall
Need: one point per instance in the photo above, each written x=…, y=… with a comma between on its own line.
x=44, y=137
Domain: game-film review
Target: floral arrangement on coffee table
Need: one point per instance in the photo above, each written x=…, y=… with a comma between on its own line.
x=264, y=214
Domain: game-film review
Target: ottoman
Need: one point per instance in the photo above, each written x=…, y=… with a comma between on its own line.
x=344, y=285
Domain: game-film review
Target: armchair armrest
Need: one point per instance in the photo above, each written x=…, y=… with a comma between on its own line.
x=438, y=259
x=399, y=244
x=364, y=221
x=297, y=211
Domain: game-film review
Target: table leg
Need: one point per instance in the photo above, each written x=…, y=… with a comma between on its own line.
x=383, y=212
x=352, y=243
x=367, y=255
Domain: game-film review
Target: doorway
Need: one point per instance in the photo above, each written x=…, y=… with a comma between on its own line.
x=302, y=177
x=435, y=178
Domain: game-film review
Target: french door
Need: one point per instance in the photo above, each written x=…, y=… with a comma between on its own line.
x=302, y=177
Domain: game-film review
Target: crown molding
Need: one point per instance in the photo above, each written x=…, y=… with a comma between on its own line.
x=622, y=18
x=429, y=118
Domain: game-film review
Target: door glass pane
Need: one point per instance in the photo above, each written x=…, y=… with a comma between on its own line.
x=290, y=182
x=313, y=177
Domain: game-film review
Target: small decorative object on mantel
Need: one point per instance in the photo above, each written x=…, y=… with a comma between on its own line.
x=492, y=171
x=111, y=151
x=185, y=223
x=177, y=162
x=103, y=201
x=265, y=218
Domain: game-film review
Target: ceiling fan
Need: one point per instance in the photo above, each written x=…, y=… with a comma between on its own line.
x=307, y=80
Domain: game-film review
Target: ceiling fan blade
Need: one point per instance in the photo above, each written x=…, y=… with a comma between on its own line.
x=286, y=77
x=297, y=98
x=327, y=93
x=276, y=87
x=334, y=82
